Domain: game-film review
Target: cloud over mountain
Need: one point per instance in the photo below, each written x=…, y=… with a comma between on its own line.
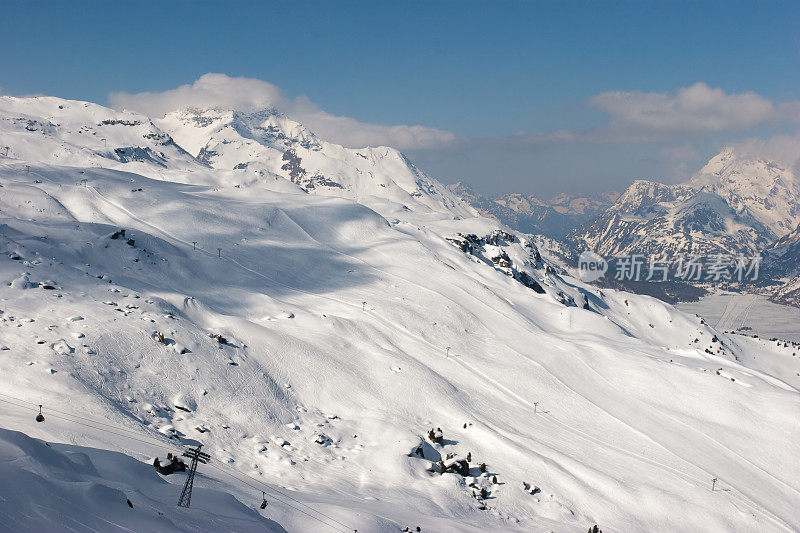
x=220, y=90
x=782, y=148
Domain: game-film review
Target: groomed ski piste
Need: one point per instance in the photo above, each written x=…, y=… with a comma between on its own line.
x=310, y=341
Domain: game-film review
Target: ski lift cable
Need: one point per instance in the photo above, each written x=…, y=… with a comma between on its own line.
x=160, y=444
x=238, y=478
x=274, y=490
x=152, y=442
x=247, y=481
x=106, y=430
x=127, y=434
x=54, y=410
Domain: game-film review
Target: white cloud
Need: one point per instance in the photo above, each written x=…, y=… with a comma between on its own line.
x=247, y=94
x=699, y=108
x=784, y=149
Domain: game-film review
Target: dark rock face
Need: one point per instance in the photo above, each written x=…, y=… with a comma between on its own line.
x=529, y=282
x=477, y=246
x=782, y=261
x=137, y=153
x=457, y=466
x=502, y=260
x=298, y=175
x=113, y=122
x=292, y=166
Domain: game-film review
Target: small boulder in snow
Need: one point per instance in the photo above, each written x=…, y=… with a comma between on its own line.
x=184, y=402
x=61, y=347
x=179, y=348
x=322, y=439
x=22, y=282
x=279, y=441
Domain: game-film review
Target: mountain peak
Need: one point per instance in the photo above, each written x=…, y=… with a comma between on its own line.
x=194, y=125
x=269, y=142
x=765, y=188
x=642, y=193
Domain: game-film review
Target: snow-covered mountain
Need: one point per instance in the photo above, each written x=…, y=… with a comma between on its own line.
x=783, y=263
x=765, y=190
x=266, y=140
x=315, y=343
x=733, y=206
x=70, y=133
x=661, y=220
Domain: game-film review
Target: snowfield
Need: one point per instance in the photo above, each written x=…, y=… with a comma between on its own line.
x=310, y=339
x=752, y=314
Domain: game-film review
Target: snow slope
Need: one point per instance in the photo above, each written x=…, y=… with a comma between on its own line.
x=349, y=334
x=72, y=133
x=731, y=311
x=59, y=487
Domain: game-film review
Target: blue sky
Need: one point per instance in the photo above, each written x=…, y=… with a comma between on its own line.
x=499, y=78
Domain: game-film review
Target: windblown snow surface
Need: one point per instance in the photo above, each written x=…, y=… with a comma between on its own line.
x=350, y=329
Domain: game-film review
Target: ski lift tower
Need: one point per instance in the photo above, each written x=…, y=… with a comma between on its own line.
x=197, y=457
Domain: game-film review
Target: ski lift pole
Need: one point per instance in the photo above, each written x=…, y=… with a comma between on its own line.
x=197, y=457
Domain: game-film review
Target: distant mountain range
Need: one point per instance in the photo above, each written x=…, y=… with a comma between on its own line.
x=553, y=218
x=734, y=206
x=784, y=260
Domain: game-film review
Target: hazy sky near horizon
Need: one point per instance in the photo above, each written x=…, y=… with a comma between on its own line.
x=533, y=97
